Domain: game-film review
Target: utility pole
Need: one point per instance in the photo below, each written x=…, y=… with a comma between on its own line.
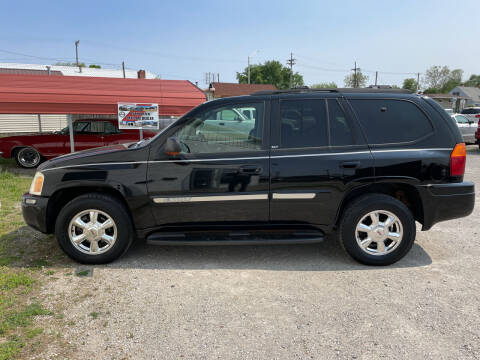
x=249, y=69
x=376, y=77
x=291, y=62
x=355, y=79
x=218, y=77
x=418, y=82
x=76, y=51
x=123, y=68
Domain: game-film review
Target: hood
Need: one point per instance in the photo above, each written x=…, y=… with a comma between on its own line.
x=100, y=154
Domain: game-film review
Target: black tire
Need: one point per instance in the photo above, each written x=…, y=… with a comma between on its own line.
x=106, y=204
x=362, y=206
x=27, y=157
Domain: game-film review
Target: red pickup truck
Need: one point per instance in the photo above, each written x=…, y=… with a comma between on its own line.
x=30, y=150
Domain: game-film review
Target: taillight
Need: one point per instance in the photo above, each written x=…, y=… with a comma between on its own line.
x=477, y=116
x=458, y=159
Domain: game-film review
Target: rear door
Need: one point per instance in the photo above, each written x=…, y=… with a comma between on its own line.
x=221, y=175
x=318, y=154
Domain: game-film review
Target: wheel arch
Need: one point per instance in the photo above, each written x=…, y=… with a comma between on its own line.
x=63, y=196
x=404, y=192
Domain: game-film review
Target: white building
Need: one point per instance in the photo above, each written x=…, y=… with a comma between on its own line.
x=75, y=71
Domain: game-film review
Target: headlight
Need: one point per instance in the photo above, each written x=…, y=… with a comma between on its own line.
x=37, y=184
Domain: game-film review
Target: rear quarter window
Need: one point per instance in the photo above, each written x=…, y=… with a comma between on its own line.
x=387, y=121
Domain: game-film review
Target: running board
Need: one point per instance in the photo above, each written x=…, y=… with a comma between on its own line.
x=233, y=238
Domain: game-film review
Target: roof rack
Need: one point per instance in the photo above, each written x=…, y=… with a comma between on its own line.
x=372, y=89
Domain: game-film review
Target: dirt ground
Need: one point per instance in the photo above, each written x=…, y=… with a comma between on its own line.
x=276, y=302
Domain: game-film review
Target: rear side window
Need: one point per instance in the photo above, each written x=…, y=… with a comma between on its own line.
x=303, y=123
x=391, y=121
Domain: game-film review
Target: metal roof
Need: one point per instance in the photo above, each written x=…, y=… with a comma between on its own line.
x=75, y=71
x=33, y=94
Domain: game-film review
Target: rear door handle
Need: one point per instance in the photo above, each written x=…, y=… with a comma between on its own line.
x=350, y=164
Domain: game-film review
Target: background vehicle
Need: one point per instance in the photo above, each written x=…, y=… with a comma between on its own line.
x=467, y=128
x=30, y=150
x=450, y=111
x=364, y=163
x=472, y=113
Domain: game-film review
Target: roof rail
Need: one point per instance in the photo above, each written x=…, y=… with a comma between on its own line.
x=378, y=89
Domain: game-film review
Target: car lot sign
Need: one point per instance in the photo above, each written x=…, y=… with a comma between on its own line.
x=137, y=116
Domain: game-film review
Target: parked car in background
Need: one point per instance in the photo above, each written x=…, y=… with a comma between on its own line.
x=450, y=111
x=467, y=128
x=472, y=113
x=30, y=150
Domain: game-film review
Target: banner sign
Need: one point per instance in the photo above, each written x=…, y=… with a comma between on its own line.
x=137, y=116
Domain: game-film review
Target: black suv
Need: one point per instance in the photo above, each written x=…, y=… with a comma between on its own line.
x=272, y=167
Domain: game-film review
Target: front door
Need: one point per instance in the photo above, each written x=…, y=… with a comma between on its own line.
x=222, y=173
x=318, y=154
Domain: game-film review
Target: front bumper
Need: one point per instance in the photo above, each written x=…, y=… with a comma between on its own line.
x=447, y=201
x=34, y=210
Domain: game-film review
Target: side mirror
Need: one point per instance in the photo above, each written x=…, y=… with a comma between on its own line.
x=172, y=147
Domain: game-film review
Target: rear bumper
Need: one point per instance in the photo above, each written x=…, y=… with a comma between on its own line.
x=34, y=210
x=447, y=201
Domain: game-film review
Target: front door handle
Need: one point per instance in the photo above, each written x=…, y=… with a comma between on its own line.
x=250, y=169
x=350, y=164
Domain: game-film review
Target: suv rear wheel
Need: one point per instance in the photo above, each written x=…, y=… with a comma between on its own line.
x=377, y=229
x=94, y=229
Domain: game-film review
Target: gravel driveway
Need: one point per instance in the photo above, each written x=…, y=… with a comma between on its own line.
x=281, y=302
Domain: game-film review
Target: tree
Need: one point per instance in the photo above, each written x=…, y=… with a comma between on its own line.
x=93, y=66
x=324, y=85
x=70, y=64
x=473, y=81
x=270, y=72
x=436, y=76
x=356, y=80
x=410, y=84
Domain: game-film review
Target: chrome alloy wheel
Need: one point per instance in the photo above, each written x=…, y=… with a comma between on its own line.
x=379, y=232
x=28, y=157
x=92, y=232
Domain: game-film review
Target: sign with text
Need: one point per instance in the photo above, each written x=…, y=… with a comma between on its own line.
x=137, y=116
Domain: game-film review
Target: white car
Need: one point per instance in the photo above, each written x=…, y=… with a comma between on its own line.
x=472, y=113
x=467, y=128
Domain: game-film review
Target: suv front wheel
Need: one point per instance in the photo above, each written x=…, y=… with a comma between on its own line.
x=377, y=229
x=94, y=229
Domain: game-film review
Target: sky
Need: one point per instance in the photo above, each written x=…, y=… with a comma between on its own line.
x=185, y=39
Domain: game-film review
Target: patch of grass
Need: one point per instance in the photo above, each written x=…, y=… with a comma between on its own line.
x=31, y=333
x=38, y=263
x=94, y=315
x=10, y=280
x=22, y=318
x=83, y=273
x=8, y=259
x=10, y=348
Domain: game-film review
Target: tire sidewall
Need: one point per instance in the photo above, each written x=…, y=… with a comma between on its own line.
x=368, y=204
x=108, y=205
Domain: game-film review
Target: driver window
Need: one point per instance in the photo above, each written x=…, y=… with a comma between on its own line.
x=223, y=129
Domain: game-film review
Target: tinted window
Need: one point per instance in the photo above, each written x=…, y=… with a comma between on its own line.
x=81, y=126
x=223, y=129
x=303, y=123
x=461, y=119
x=391, y=121
x=341, y=133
